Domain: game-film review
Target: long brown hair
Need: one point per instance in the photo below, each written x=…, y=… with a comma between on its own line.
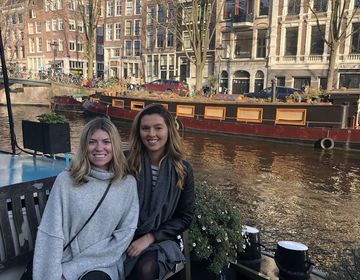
x=80, y=165
x=174, y=147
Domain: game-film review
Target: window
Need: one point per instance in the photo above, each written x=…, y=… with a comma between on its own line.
x=31, y=28
x=48, y=26
x=61, y=24
x=170, y=38
x=294, y=7
x=160, y=14
x=39, y=44
x=80, y=26
x=100, y=30
x=118, y=7
x=261, y=43
x=38, y=27
x=48, y=45
x=110, y=8
x=291, y=41
x=31, y=45
x=160, y=38
x=61, y=45
x=317, y=40
x=72, y=26
x=20, y=18
x=150, y=15
x=137, y=47
x=117, y=31
x=109, y=32
x=150, y=39
x=128, y=28
x=320, y=5
x=243, y=44
x=355, y=39
x=60, y=4
x=350, y=80
x=137, y=27
x=13, y=18
x=259, y=81
x=301, y=82
x=79, y=47
x=54, y=24
x=186, y=39
x=117, y=52
x=129, y=7
x=32, y=13
x=264, y=7
x=72, y=46
x=357, y=4
x=280, y=81
x=71, y=5
x=137, y=7
x=128, y=48
x=229, y=7
x=100, y=49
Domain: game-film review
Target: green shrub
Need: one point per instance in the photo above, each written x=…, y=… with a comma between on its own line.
x=216, y=233
x=51, y=118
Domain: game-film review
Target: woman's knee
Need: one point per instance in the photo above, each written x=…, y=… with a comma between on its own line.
x=96, y=275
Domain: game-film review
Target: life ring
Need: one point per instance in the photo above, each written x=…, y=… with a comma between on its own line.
x=327, y=143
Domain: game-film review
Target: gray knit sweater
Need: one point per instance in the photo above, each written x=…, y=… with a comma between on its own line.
x=103, y=241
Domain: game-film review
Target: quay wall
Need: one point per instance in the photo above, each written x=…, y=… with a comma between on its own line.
x=31, y=95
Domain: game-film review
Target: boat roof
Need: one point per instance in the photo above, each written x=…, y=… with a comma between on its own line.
x=16, y=169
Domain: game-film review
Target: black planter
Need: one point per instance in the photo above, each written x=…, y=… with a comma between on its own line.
x=46, y=138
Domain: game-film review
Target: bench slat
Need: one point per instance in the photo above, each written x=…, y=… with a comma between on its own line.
x=6, y=229
x=31, y=214
x=19, y=225
x=42, y=201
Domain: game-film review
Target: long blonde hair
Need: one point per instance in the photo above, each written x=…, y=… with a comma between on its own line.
x=80, y=165
x=174, y=147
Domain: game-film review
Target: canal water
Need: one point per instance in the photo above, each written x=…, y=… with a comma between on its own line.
x=289, y=192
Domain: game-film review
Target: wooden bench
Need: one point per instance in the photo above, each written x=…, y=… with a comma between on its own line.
x=21, y=208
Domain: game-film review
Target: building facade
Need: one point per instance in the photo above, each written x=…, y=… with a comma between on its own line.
x=255, y=41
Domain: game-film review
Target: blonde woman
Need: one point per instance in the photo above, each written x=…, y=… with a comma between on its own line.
x=166, y=194
x=97, y=252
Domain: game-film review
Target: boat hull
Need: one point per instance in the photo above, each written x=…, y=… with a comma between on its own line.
x=66, y=104
x=323, y=121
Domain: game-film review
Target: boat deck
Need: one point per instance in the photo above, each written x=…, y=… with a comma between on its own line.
x=16, y=169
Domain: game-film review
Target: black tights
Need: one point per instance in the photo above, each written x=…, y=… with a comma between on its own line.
x=96, y=275
x=146, y=268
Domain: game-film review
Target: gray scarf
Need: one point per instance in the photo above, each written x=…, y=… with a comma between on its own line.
x=157, y=204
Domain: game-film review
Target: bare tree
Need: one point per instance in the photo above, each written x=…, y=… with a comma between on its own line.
x=338, y=31
x=90, y=11
x=193, y=25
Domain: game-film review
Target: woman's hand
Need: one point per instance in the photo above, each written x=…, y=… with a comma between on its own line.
x=139, y=245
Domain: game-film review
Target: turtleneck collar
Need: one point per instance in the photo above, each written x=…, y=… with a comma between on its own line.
x=100, y=174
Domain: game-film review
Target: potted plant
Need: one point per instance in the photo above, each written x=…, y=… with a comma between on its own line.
x=216, y=234
x=50, y=135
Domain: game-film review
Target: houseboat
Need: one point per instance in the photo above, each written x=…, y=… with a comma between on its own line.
x=330, y=124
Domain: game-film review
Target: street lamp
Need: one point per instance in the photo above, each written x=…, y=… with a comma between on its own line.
x=54, y=45
x=219, y=49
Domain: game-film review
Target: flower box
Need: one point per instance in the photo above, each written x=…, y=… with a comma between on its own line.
x=48, y=138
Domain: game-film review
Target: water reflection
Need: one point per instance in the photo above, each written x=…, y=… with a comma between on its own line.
x=289, y=192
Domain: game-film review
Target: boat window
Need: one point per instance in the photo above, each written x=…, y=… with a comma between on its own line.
x=249, y=114
x=118, y=103
x=215, y=113
x=137, y=106
x=291, y=116
x=185, y=111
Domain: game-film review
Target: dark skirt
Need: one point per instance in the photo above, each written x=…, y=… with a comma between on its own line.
x=168, y=255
